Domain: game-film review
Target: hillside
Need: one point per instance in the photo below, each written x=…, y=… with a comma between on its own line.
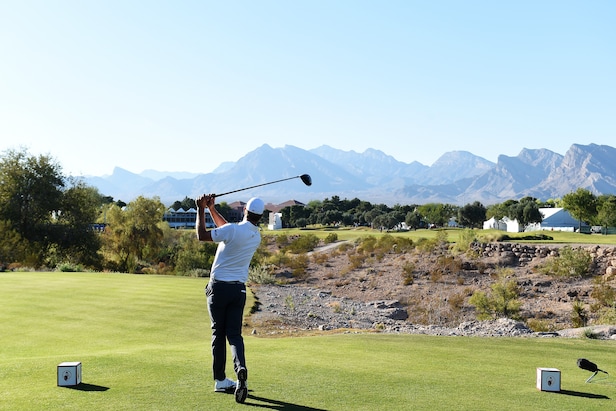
x=343, y=287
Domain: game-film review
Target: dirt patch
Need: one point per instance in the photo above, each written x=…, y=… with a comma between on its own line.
x=419, y=291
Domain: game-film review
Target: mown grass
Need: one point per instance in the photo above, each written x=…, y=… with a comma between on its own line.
x=144, y=345
x=452, y=234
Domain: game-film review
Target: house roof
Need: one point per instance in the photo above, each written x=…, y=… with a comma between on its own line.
x=549, y=212
x=276, y=208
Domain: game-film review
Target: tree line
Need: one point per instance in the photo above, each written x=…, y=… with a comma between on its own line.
x=47, y=220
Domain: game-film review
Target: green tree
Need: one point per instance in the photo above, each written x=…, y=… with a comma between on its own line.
x=525, y=211
x=134, y=233
x=606, y=207
x=413, y=219
x=79, y=209
x=472, y=215
x=12, y=246
x=437, y=213
x=30, y=191
x=499, y=210
x=582, y=204
x=193, y=254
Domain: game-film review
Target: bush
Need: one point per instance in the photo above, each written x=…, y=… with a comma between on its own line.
x=607, y=315
x=407, y=273
x=331, y=238
x=298, y=265
x=465, y=241
x=260, y=274
x=502, y=300
x=579, y=318
x=199, y=272
x=569, y=263
x=303, y=244
x=537, y=325
x=69, y=268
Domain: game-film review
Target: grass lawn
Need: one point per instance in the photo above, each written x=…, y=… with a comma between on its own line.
x=144, y=345
x=453, y=235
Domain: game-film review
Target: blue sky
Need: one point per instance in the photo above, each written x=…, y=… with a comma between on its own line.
x=187, y=85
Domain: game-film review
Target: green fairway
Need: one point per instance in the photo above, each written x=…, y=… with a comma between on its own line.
x=452, y=235
x=144, y=345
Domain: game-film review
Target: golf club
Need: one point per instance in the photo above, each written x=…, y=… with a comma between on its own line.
x=584, y=364
x=306, y=179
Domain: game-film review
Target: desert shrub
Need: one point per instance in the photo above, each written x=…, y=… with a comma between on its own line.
x=282, y=240
x=538, y=325
x=336, y=306
x=466, y=238
x=590, y=334
x=260, y=274
x=579, y=318
x=603, y=293
x=407, y=273
x=449, y=263
x=607, y=315
x=303, y=244
x=279, y=259
x=456, y=301
x=299, y=265
x=605, y=301
x=433, y=309
x=331, y=238
x=502, y=301
x=356, y=260
x=569, y=263
x=441, y=237
x=436, y=275
x=344, y=247
x=426, y=245
x=320, y=258
x=367, y=244
x=386, y=243
x=403, y=244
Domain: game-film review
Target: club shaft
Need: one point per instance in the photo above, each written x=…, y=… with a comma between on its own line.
x=258, y=185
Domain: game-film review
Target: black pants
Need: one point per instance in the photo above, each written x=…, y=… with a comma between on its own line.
x=225, y=302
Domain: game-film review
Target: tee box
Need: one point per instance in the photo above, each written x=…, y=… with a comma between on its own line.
x=69, y=374
x=548, y=379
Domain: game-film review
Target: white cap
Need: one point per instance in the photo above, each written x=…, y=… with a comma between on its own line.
x=255, y=205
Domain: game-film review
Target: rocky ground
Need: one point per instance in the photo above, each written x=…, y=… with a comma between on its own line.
x=377, y=294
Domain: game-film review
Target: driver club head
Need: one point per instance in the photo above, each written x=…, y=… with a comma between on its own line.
x=306, y=179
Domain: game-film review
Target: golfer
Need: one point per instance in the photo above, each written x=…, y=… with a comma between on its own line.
x=226, y=290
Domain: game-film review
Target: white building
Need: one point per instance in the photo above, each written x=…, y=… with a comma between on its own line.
x=554, y=219
x=275, y=221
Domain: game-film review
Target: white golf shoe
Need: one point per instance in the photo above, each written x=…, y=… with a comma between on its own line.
x=224, y=385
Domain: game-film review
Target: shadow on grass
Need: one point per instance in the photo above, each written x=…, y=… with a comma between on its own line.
x=277, y=405
x=88, y=387
x=583, y=394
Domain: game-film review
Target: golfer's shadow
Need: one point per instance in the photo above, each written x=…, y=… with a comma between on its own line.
x=82, y=386
x=277, y=405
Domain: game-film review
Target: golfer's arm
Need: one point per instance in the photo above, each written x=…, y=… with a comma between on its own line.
x=202, y=233
x=219, y=220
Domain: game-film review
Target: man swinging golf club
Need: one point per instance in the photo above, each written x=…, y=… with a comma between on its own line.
x=226, y=290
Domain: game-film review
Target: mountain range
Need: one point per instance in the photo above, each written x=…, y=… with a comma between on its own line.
x=457, y=177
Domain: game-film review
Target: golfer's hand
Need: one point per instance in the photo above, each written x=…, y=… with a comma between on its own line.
x=206, y=200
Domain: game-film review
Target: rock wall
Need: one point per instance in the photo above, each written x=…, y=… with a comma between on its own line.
x=513, y=254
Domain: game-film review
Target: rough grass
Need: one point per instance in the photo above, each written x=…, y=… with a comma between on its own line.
x=144, y=345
